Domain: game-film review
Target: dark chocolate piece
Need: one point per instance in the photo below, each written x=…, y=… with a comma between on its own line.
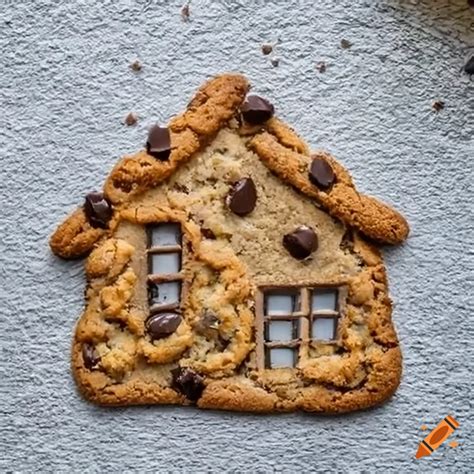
x=188, y=382
x=158, y=144
x=242, y=197
x=98, y=210
x=321, y=173
x=162, y=325
x=89, y=356
x=301, y=242
x=469, y=66
x=256, y=110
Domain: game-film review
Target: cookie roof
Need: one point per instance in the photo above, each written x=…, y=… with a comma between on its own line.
x=214, y=107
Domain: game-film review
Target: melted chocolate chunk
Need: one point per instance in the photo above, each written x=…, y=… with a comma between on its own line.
x=321, y=174
x=242, y=197
x=301, y=242
x=89, y=356
x=207, y=233
x=158, y=144
x=162, y=325
x=188, y=382
x=98, y=210
x=256, y=110
x=207, y=325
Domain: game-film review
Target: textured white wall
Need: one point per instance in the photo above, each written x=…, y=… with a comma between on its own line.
x=65, y=87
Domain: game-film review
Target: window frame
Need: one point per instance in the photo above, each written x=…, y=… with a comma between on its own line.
x=159, y=278
x=302, y=315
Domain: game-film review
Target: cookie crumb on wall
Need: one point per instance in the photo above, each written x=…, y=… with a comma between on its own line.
x=438, y=105
x=136, y=65
x=345, y=44
x=185, y=12
x=131, y=119
x=320, y=66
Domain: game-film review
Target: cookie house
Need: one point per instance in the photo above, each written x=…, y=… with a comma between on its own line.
x=230, y=267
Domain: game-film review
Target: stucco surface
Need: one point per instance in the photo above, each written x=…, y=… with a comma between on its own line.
x=65, y=88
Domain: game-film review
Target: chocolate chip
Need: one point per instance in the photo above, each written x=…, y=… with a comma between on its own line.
x=267, y=49
x=158, y=144
x=207, y=233
x=89, y=356
x=161, y=325
x=469, y=66
x=98, y=210
x=321, y=173
x=301, y=242
x=256, y=110
x=242, y=197
x=188, y=382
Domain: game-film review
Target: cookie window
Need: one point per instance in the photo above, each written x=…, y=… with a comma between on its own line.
x=164, y=266
x=324, y=314
x=287, y=317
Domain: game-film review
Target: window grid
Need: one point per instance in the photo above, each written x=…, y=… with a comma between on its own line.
x=302, y=315
x=169, y=282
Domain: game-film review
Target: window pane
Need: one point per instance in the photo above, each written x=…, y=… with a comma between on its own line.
x=280, y=303
x=324, y=299
x=280, y=330
x=165, y=293
x=165, y=234
x=165, y=263
x=324, y=329
x=282, y=357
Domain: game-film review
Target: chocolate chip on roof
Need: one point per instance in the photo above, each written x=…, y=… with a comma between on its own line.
x=230, y=267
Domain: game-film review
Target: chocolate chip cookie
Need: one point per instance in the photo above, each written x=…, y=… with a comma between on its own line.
x=230, y=267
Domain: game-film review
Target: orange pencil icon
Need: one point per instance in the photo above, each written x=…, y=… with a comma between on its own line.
x=437, y=436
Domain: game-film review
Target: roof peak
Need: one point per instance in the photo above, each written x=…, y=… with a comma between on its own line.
x=215, y=104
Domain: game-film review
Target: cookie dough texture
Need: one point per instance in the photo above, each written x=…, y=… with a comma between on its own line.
x=225, y=259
